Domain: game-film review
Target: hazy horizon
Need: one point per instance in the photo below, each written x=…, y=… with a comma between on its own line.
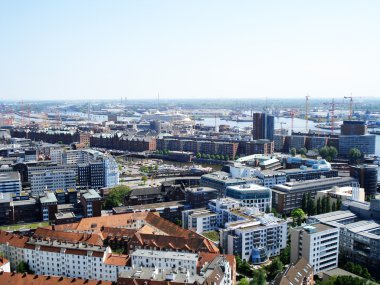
x=218, y=50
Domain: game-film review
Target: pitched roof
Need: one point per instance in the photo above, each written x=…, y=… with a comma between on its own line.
x=32, y=279
x=74, y=237
x=295, y=273
x=117, y=259
x=12, y=239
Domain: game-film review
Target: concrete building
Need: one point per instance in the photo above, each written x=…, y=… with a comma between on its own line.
x=359, y=233
x=353, y=192
x=10, y=182
x=64, y=179
x=269, y=178
x=365, y=143
x=367, y=177
x=199, y=197
x=318, y=244
x=48, y=206
x=288, y=196
x=251, y=195
x=92, y=203
x=254, y=239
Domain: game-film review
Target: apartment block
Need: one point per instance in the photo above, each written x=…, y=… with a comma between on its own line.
x=318, y=244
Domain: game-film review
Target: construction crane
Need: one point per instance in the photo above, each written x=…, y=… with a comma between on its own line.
x=333, y=105
x=282, y=123
x=307, y=112
x=351, y=105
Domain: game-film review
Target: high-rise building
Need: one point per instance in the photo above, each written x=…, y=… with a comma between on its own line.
x=353, y=128
x=263, y=126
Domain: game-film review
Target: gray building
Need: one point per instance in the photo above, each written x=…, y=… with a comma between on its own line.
x=365, y=143
x=10, y=182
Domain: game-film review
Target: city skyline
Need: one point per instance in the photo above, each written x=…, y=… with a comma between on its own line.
x=215, y=50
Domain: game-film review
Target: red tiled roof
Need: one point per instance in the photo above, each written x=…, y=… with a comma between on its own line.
x=12, y=239
x=3, y=261
x=117, y=259
x=31, y=279
x=74, y=237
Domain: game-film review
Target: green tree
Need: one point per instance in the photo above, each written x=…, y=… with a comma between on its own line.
x=199, y=155
x=333, y=152
x=244, y=281
x=23, y=267
x=298, y=213
x=310, y=205
x=285, y=255
x=319, y=206
x=116, y=196
x=323, y=208
x=338, y=203
x=212, y=156
x=274, y=268
x=324, y=151
x=354, y=154
x=304, y=203
x=302, y=151
x=144, y=179
x=328, y=204
x=293, y=151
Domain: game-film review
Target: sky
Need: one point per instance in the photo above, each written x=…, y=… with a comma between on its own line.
x=78, y=49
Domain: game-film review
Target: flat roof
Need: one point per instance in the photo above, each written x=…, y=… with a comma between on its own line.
x=9, y=175
x=164, y=254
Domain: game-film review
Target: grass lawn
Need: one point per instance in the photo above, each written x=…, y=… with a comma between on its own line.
x=212, y=235
x=24, y=226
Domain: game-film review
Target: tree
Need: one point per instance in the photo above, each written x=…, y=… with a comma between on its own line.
x=293, y=151
x=310, y=205
x=333, y=207
x=304, y=203
x=323, y=210
x=298, y=213
x=328, y=204
x=319, y=206
x=324, y=151
x=244, y=281
x=267, y=209
x=199, y=155
x=333, y=152
x=23, y=267
x=260, y=276
x=338, y=203
x=274, y=268
x=144, y=179
x=285, y=255
x=302, y=151
x=116, y=196
x=354, y=154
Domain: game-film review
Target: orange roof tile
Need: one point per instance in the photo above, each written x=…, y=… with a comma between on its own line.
x=31, y=279
x=117, y=259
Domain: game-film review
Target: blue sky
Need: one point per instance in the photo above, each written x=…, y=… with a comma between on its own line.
x=189, y=49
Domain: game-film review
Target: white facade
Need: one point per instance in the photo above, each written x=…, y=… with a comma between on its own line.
x=318, y=244
x=244, y=237
x=56, y=155
x=165, y=259
x=199, y=221
x=5, y=265
x=111, y=172
x=52, y=180
x=270, y=178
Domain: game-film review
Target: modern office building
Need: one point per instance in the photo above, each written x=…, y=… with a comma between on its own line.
x=269, y=178
x=366, y=175
x=263, y=126
x=92, y=203
x=288, y=196
x=365, y=143
x=41, y=181
x=48, y=206
x=10, y=182
x=251, y=195
x=318, y=244
x=359, y=232
x=199, y=197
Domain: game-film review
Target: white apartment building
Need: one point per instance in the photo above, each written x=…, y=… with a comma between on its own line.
x=52, y=180
x=269, y=178
x=251, y=195
x=165, y=260
x=318, y=244
x=200, y=220
x=66, y=259
x=257, y=239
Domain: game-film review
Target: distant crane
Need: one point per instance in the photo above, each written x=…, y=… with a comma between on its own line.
x=307, y=112
x=333, y=105
x=282, y=123
x=351, y=105
x=292, y=114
